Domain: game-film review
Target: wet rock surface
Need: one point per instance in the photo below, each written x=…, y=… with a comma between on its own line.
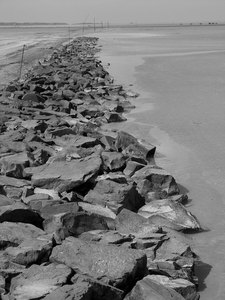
x=85, y=213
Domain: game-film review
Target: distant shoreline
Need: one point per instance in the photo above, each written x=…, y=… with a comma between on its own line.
x=109, y=25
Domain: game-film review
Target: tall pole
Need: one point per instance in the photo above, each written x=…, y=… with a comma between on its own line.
x=83, y=29
x=21, y=62
x=69, y=33
x=94, y=24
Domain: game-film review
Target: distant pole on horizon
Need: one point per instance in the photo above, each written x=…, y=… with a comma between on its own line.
x=69, y=33
x=83, y=29
x=21, y=62
x=94, y=24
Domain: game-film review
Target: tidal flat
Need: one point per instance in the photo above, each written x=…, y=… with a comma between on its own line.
x=180, y=75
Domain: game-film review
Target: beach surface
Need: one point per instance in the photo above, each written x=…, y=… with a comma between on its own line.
x=180, y=75
x=38, y=43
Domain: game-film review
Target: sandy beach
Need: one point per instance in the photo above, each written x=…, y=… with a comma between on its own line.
x=179, y=73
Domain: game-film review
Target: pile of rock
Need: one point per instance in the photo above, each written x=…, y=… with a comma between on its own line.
x=85, y=213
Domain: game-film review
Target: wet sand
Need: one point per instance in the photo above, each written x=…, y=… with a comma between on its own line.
x=179, y=73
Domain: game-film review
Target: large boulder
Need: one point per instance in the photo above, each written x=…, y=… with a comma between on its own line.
x=31, y=251
x=157, y=180
x=182, y=286
x=74, y=224
x=134, y=147
x=117, y=266
x=38, y=281
x=147, y=289
x=64, y=176
x=13, y=234
x=172, y=211
x=84, y=288
x=19, y=212
x=115, y=195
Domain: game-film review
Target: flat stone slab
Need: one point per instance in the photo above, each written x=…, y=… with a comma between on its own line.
x=117, y=266
x=64, y=176
x=38, y=281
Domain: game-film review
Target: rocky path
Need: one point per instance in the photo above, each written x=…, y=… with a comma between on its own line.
x=85, y=213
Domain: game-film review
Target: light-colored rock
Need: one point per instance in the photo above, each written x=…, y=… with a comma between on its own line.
x=13, y=234
x=181, y=286
x=97, y=209
x=173, y=211
x=38, y=281
x=147, y=289
x=31, y=251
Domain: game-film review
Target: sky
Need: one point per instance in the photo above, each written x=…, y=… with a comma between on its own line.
x=113, y=11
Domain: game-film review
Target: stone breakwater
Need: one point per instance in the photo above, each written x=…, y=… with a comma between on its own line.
x=85, y=212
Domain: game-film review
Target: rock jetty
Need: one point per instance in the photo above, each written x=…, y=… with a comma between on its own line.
x=85, y=213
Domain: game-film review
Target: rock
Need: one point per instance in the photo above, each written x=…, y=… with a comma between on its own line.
x=115, y=196
x=97, y=209
x=172, y=211
x=74, y=224
x=107, y=237
x=132, y=167
x=175, y=247
x=68, y=94
x=152, y=179
x=30, y=98
x=108, y=142
x=147, y=289
x=85, y=288
x=114, y=117
x=113, y=161
x=38, y=281
x=119, y=267
x=31, y=251
x=134, y=147
x=13, y=234
x=48, y=210
x=128, y=222
x=19, y=212
x=13, y=182
x=65, y=176
x=13, y=165
x=4, y=201
x=181, y=286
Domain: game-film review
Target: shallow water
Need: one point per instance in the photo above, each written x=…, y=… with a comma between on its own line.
x=180, y=73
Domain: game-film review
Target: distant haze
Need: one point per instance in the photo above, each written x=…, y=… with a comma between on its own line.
x=113, y=11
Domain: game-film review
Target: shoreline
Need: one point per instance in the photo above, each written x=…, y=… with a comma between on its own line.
x=62, y=130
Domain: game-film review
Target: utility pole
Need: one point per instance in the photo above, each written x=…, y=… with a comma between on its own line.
x=21, y=62
x=83, y=29
x=69, y=33
x=94, y=24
